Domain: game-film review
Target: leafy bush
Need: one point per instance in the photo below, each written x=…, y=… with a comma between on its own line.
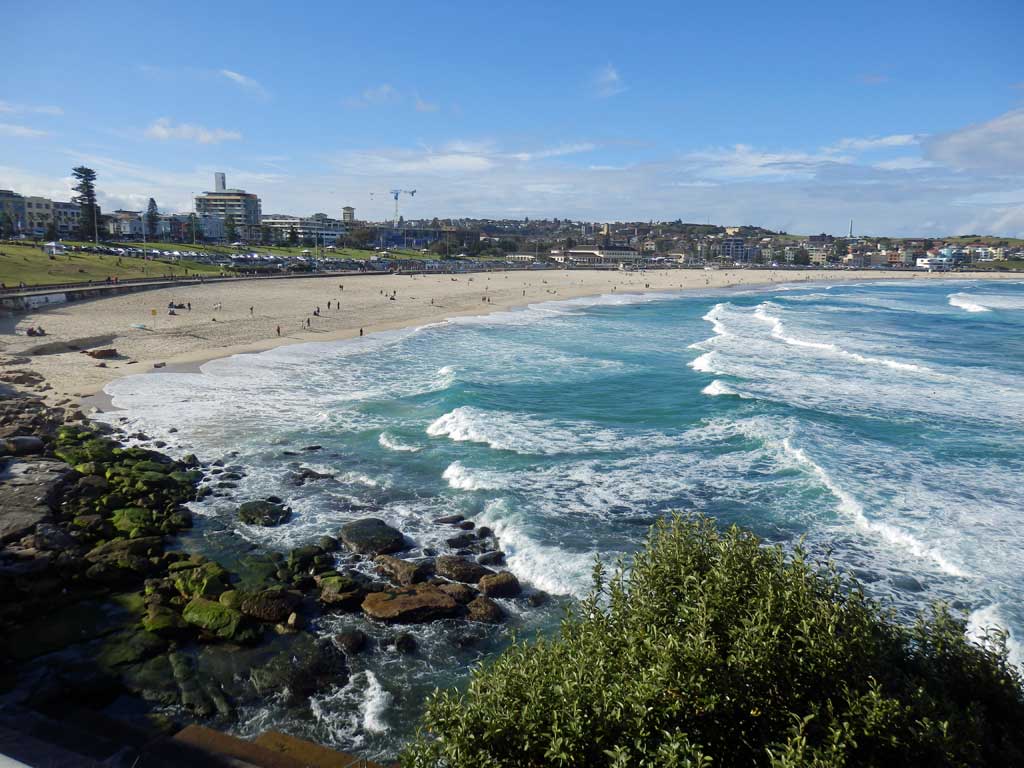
x=715, y=650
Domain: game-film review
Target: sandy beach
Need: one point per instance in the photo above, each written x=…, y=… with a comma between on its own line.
x=244, y=316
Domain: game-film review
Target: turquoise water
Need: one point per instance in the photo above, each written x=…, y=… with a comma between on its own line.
x=881, y=422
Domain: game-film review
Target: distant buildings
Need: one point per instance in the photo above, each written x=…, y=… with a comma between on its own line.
x=242, y=206
x=598, y=254
x=319, y=228
x=348, y=214
x=33, y=216
x=732, y=249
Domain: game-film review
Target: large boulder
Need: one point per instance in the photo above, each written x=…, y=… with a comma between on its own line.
x=502, y=584
x=460, y=569
x=304, y=670
x=134, y=520
x=24, y=445
x=485, y=610
x=402, y=571
x=116, y=549
x=164, y=621
x=217, y=620
x=371, y=536
x=271, y=605
x=198, y=579
x=29, y=492
x=341, y=592
x=263, y=513
x=462, y=593
x=420, y=603
x=123, y=560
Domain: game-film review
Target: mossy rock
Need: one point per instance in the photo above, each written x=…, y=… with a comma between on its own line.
x=73, y=455
x=129, y=519
x=190, y=478
x=264, y=513
x=203, y=580
x=148, y=465
x=163, y=621
x=232, y=598
x=130, y=648
x=86, y=468
x=302, y=558
x=218, y=620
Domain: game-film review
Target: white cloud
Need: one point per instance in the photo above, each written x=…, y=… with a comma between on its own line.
x=559, y=151
x=406, y=162
x=426, y=106
x=374, y=96
x=904, y=164
x=878, y=142
x=608, y=82
x=458, y=156
x=245, y=83
x=743, y=161
x=996, y=146
x=21, y=131
x=19, y=109
x=164, y=129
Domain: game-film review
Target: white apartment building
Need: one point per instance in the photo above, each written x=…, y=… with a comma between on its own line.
x=318, y=227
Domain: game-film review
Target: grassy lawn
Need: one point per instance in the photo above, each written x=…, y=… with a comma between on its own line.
x=1012, y=242
x=999, y=266
x=28, y=264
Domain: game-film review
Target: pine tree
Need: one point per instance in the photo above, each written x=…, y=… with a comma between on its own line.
x=152, y=214
x=293, y=236
x=230, y=230
x=6, y=225
x=51, y=231
x=88, y=228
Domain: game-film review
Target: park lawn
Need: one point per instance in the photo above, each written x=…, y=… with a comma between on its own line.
x=28, y=264
x=1012, y=242
x=999, y=266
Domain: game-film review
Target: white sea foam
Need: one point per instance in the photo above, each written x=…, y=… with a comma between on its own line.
x=778, y=330
x=375, y=704
x=965, y=302
x=988, y=618
x=354, y=711
x=851, y=508
x=703, y=363
x=550, y=568
x=719, y=387
x=461, y=477
x=387, y=440
x=985, y=302
x=507, y=431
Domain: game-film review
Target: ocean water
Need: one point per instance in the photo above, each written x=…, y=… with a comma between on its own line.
x=879, y=422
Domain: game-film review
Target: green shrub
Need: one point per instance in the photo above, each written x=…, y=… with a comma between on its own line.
x=713, y=650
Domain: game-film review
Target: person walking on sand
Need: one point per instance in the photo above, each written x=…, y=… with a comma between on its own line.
x=189, y=306
x=360, y=331
x=250, y=312
x=279, y=331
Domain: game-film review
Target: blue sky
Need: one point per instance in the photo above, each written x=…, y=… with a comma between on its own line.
x=906, y=116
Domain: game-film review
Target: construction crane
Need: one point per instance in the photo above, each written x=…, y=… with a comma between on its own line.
x=395, y=193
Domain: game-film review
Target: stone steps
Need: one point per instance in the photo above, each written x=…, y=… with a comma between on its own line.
x=21, y=749
x=310, y=754
x=84, y=739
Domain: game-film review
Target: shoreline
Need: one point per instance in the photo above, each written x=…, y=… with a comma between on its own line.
x=364, y=305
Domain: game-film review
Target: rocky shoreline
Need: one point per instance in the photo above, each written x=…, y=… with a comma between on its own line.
x=104, y=609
